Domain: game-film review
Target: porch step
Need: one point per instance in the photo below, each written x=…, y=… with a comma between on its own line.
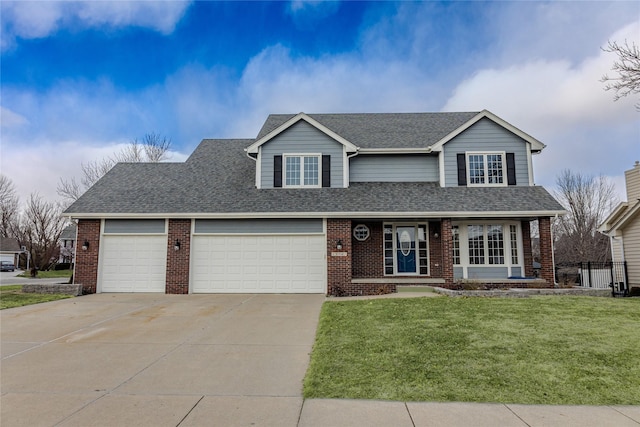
x=409, y=288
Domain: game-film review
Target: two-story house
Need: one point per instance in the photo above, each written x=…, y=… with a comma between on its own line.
x=324, y=203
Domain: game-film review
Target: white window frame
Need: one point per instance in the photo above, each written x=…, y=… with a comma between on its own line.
x=484, y=155
x=506, y=236
x=417, y=225
x=301, y=156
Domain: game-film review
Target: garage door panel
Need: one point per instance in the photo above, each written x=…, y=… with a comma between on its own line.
x=244, y=264
x=133, y=263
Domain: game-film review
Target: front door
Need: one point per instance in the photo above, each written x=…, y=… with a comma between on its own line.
x=406, y=249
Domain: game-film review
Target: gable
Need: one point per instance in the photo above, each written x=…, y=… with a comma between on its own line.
x=485, y=136
x=300, y=138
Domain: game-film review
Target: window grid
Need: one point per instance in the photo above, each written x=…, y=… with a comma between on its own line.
x=513, y=231
x=293, y=171
x=302, y=171
x=495, y=244
x=476, y=244
x=494, y=168
x=388, y=249
x=455, y=237
x=422, y=249
x=310, y=171
x=476, y=169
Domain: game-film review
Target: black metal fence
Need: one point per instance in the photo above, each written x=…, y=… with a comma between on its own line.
x=597, y=275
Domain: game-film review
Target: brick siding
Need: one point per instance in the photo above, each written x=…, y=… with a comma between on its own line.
x=446, y=238
x=338, y=266
x=527, y=256
x=368, y=256
x=86, y=266
x=178, y=261
x=546, y=250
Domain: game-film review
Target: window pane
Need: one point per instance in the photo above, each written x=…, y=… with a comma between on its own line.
x=514, y=244
x=476, y=244
x=495, y=244
x=293, y=171
x=476, y=169
x=494, y=169
x=310, y=171
x=455, y=236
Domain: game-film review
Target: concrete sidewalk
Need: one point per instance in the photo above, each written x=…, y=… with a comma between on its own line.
x=202, y=360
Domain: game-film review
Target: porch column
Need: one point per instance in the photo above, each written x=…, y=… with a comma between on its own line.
x=527, y=256
x=339, y=260
x=546, y=250
x=447, y=251
x=86, y=265
x=178, y=260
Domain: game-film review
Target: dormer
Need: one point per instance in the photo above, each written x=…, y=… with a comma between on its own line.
x=300, y=153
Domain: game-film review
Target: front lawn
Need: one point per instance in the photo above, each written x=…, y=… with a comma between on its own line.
x=543, y=350
x=49, y=274
x=12, y=296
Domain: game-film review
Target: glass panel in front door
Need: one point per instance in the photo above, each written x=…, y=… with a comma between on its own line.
x=406, y=249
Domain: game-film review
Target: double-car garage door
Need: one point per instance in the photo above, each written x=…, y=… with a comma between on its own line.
x=227, y=256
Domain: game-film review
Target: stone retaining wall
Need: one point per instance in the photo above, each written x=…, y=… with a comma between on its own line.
x=525, y=292
x=55, y=288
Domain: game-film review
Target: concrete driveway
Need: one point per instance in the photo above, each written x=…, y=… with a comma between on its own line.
x=161, y=360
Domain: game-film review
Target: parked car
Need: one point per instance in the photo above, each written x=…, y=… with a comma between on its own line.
x=7, y=266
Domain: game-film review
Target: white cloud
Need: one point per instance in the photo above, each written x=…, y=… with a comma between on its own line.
x=38, y=19
x=566, y=107
x=307, y=14
x=9, y=119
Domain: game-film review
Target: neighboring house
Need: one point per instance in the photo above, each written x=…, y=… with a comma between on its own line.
x=9, y=250
x=623, y=227
x=67, y=242
x=324, y=203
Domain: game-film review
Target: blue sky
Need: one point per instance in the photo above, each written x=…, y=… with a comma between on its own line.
x=80, y=79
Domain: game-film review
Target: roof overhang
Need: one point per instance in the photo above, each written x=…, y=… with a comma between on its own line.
x=253, y=148
x=536, y=146
x=619, y=218
x=286, y=215
x=422, y=150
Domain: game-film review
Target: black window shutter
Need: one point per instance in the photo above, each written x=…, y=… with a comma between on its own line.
x=326, y=170
x=462, y=169
x=277, y=171
x=511, y=169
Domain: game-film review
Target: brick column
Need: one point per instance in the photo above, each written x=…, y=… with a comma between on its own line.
x=178, y=261
x=86, y=262
x=527, y=256
x=546, y=250
x=447, y=251
x=338, y=264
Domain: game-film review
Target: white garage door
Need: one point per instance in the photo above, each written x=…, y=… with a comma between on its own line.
x=259, y=264
x=132, y=263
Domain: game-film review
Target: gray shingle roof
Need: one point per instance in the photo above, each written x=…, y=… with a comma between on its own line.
x=9, y=245
x=383, y=130
x=220, y=179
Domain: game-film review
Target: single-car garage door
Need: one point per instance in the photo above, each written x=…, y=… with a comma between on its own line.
x=132, y=262
x=286, y=261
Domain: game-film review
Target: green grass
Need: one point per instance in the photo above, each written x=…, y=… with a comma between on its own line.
x=12, y=296
x=52, y=274
x=543, y=350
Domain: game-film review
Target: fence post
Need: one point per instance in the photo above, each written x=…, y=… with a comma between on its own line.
x=589, y=270
x=626, y=278
x=613, y=281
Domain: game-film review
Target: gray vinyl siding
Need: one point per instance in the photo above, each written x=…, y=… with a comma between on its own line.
x=396, y=168
x=302, y=138
x=259, y=226
x=458, y=273
x=134, y=226
x=486, y=136
x=488, y=272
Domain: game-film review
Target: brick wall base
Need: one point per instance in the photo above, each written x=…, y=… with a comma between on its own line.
x=86, y=267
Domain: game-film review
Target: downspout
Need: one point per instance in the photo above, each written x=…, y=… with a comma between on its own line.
x=553, y=253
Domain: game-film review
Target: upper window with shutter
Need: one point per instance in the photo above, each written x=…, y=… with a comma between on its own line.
x=486, y=169
x=302, y=170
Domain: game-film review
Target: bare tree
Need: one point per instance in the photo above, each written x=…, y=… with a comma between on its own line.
x=39, y=230
x=588, y=201
x=153, y=148
x=9, y=202
x=627, y=68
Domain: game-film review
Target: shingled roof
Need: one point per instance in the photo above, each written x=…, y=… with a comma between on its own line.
x=218, y=180
x=383, y=130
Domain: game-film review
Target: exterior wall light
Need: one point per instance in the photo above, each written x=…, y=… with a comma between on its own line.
x=177, y=245
x=85, y=245
x=339, y=245
x=436, y=235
